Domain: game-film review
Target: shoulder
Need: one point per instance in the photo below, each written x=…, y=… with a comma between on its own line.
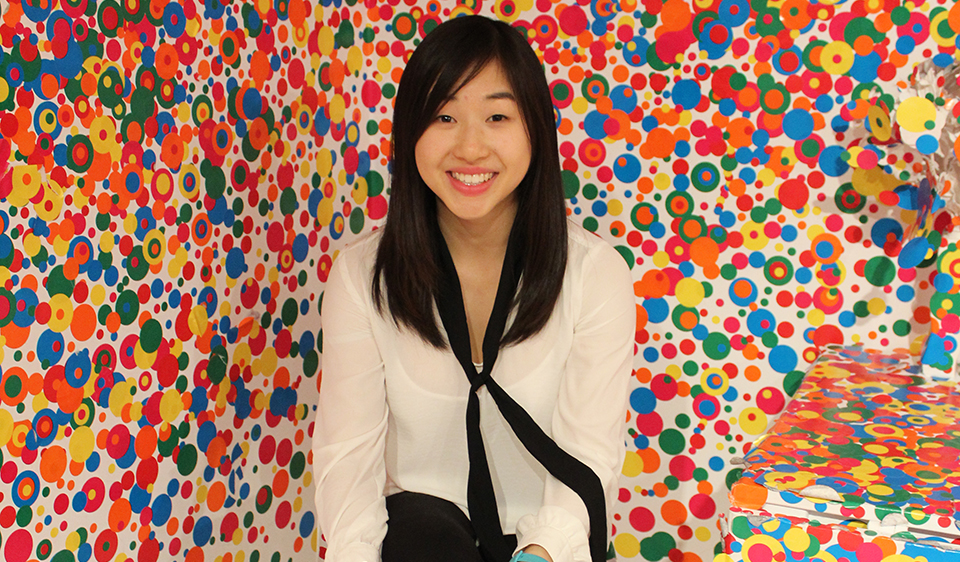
x=361, y=249
x=587, y=250
x=355, y=261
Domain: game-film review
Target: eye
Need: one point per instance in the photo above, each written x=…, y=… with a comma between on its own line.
x=444, y=119
x=498, y=117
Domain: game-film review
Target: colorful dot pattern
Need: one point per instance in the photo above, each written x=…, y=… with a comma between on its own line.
x=881, y=445
x=765, y=538
x=176, y=178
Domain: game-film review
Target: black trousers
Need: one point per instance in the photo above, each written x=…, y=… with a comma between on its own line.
x=424, y=528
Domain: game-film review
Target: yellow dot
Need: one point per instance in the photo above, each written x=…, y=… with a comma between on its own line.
x=626, y=545
x=632, y=464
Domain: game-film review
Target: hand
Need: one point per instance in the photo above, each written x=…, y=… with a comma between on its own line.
x=538, y=551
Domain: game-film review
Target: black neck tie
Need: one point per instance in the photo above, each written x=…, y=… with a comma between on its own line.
x=481, y=500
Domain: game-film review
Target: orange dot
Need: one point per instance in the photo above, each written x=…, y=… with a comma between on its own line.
x=621, y=73
x=216, y=496
x=49, y=85
x=119, y=515
x=576, y=74
x=53, y=463
x=673, y=512
x=113, y=322
x=651, y=460
x=281, y=481
x=195, y=555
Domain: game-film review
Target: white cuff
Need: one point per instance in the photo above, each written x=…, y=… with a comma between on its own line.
x=353, y=552
x=557, y=531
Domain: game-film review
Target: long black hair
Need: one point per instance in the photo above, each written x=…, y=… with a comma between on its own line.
x=407, y=267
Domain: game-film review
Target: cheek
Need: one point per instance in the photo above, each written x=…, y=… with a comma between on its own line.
x=427, y=149
x=523, y=154
x=421, y=156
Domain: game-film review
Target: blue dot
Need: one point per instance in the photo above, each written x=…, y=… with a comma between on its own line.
x=202, y=531
x=641, y=442
x=943, y=282
x=906, y=293
x=783, y=359
x=657, y=310
x=926, y=144
x=830, y=162
x=798, y=124
x=847, y=318
x=686, y=93
x=643, y=401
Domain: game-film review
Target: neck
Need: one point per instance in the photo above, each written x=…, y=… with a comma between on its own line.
x=482, y=238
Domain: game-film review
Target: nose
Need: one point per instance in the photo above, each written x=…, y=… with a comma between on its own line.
x=472, y=143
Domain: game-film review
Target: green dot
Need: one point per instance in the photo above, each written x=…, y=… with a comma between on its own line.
x=590, y=191
x=658, y=546
x=672, y=442
x=900, y=15
x=151, y=334
x=770, y=339
x=738, y=81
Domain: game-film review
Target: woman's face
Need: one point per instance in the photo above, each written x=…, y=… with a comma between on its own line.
x=476, y=152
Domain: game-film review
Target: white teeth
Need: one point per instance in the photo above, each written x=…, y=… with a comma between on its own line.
x=472, y=179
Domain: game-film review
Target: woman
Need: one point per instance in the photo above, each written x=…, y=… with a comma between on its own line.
x=476, y=299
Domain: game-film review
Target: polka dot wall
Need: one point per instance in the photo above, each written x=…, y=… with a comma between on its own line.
x=176, y=179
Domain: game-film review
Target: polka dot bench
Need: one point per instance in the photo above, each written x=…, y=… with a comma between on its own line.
x=864, y=464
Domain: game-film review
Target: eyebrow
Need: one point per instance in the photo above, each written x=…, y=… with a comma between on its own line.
x=493, y=96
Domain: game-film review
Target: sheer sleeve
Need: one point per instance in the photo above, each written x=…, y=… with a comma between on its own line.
x=351, y=424
x=589, y=418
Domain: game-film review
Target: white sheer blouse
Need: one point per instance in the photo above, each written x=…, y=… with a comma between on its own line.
x=391, y=415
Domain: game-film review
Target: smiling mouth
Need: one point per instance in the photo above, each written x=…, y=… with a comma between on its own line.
x=473, y=179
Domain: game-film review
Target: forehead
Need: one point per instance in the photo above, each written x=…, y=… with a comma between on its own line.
x=490, y=82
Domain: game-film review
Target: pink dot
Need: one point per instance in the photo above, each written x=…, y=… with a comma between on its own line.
x=18, y=547
x=759, y=553
x=869, y=552
x=682, y=467
x=867, y=159
x=703, y=507
x=642, y=519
